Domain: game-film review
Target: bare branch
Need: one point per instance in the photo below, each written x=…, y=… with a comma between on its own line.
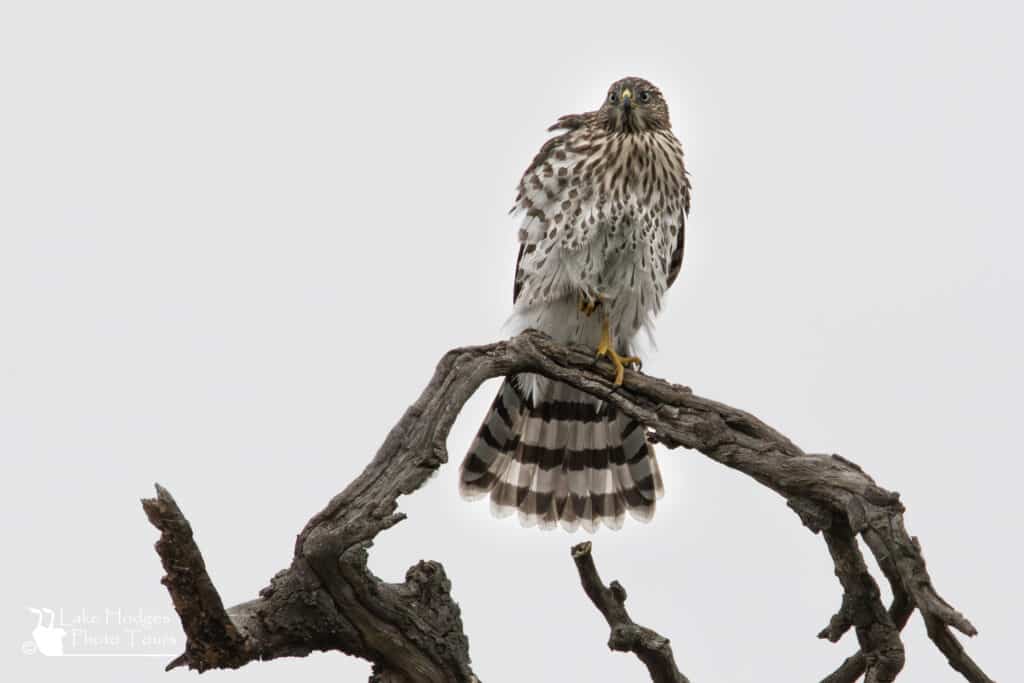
x=654, y=650
x=298, y=614
x=862, y=608
x=899, y=612
x=328, y=599
x=213, y=640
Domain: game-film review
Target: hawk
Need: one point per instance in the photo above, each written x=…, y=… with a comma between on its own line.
x=604, y=206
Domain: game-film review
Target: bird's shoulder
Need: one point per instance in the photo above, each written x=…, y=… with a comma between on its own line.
x=570, y=128
x=570, y=122
x=559, y=150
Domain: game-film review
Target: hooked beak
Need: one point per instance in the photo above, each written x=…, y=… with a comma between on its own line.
x=627, y=98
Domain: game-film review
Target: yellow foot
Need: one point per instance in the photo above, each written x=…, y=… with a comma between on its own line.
x=605, y=350
x=589, y=304
x=620, y=363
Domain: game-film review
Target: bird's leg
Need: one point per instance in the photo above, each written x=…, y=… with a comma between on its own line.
x=606, y=348
x=589, y=302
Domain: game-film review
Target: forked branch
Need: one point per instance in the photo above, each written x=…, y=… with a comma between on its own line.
x=327, y=598
x=653, y=649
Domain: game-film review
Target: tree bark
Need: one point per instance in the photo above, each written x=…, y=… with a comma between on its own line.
x=327, y=598
x=653, y=649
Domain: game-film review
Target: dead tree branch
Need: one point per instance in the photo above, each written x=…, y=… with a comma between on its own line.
x=327, y=599
x=862, y=608
x=653, y=649
x=214, y=640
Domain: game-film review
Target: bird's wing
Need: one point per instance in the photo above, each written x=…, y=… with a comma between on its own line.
x=545, y=197
x=676, y=264
x=518, y=285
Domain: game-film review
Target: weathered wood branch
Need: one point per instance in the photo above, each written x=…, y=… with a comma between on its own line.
x=862, y=608
x=214, y=641
x=653, y=649
x=327, y=599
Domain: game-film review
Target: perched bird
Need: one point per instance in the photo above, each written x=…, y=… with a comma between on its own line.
x=603, y=206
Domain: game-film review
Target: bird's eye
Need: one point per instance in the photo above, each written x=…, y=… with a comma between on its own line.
x=645, y=96
x=613, y=98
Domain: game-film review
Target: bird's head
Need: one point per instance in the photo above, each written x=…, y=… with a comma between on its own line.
x=634, y=105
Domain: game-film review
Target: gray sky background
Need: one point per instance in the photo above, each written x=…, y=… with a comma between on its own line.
x=236, y=237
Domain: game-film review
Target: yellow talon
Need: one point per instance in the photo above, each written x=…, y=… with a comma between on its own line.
x=604, y=349
x=588, y=305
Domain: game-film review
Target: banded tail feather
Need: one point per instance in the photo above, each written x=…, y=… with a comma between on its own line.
x=561, y=456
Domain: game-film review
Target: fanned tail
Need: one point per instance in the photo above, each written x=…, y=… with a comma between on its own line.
x=561, y=456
